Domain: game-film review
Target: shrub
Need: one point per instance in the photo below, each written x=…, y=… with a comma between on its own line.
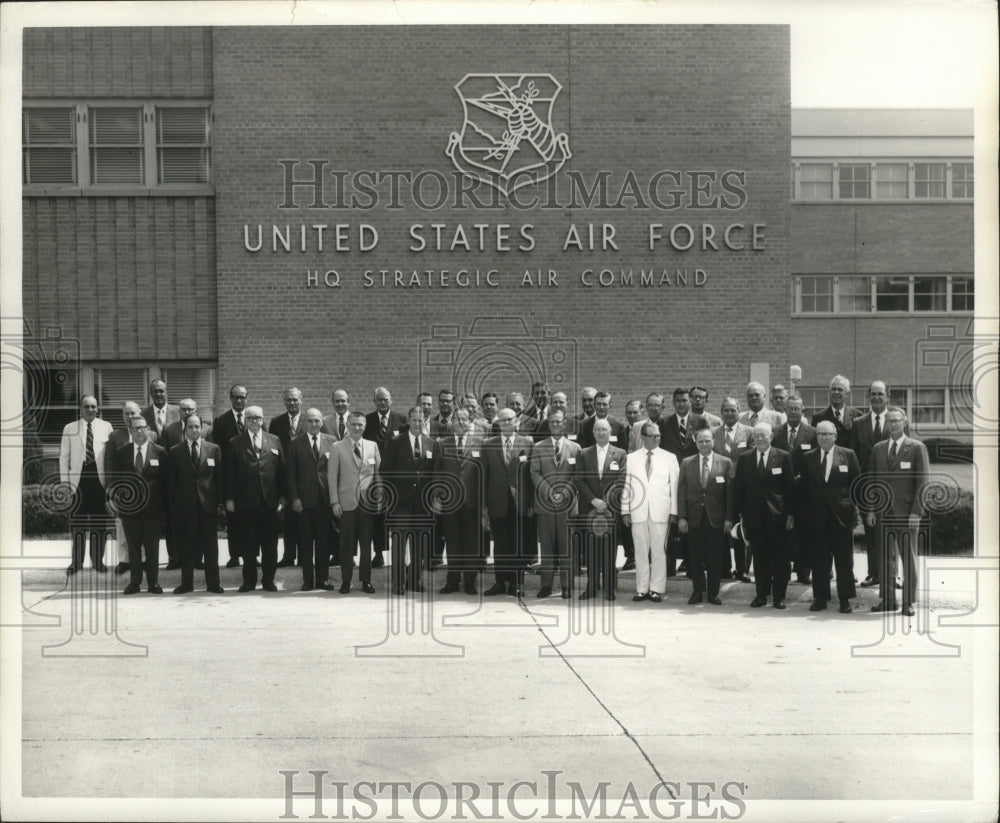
x=38, y=516
x=953, y=531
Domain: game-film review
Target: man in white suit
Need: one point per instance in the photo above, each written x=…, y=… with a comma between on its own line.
x=81, y=466
x=649, y=506
x=351, y=470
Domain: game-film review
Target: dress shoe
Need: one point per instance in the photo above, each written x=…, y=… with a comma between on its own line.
x=779, y=603
x=285, y=563
x=845, y=607
x=757, y=602
x=269, y=587
x=215, y=589
x=306, y=587
x=378, y=561
x=131, y=588
x=715, y=601
x=544, y=591
x=656, y=597
x=100, y=567
x=869, y=582
x=417, y=587
x=233, y=563
x=155, y=589
x=629, y=566
x=182, y=589
x=72, y=569
x=638, y=598
x=367, y=588
x=246, y=587
x=495, y=589
x=470, y=589
x=121, y=568
x=448, y=588
x=172, y=565
x=325, y=586
x=885, y=607
x=908, y=611
x=566, y=594
x=345, y=588
x=695, y=598
x=818, y=605
x=743, y=578
x=587, y=595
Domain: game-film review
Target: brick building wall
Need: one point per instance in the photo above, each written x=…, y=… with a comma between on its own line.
x=711, y=98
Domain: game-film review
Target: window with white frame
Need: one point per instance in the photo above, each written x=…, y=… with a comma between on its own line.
x=962, y=296
x=929, y=180
x=815, y=181
x=892, y=179
x=962, y=181
x=92, y=146
x=854, y=181
x=863, y=294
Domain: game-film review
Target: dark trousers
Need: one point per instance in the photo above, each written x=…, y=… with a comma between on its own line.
x=704, y=555
x=233, y=533
x=417, y=532
x=314, y=544
x=553, y=538
x=902, y=541
x=257, y=532
x=734, y=556
x=463, y=532
x=197, y=537
x=167, y=530
x=677, y=551
x=89, y=503
x=832, y=544
x=771, y=563
x=290, y=533
x=380, y=534
x=356, y=530
x=509, y=542
x=143, y=532
x=873, y=550
x=628, y=545
x=800, y=547
x=601, y=549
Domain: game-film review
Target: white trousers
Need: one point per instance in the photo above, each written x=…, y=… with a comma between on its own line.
x=650, y=557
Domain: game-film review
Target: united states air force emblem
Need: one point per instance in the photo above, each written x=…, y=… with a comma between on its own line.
x=507, y=139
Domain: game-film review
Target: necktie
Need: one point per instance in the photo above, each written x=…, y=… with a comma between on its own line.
x=382, y=427
x=559, y=452
x=293, y=427
x=461, y=445
x=681, y=428
x=729, y=436
x=315, y=448
x=506, y=451
x=822, y=465
x=256, y=444
x=892, y=451
x=416, y=448
x=836, y=414
x=760, y=463
x=341, y=429
x=791, y=434
x=159, y=420
x=194, y=454
x=357, y=453
x=878, y=427
x=753, y=419
x=239, y=422
x=138, y=459
x=649, y=464
x=89, y=454
x=704, y=472
x=600, y=464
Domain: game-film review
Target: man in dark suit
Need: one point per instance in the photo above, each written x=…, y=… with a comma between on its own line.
x=838, y=412
x=824, y=487
x=254, y=494
x=571, y=427
x=508, y=504
x=797, y=438
x=900, y=464
x=602, y=411
x=194, y=474
x=764, y=492
x=461, y=460
x=410, y=462
x=145, y=464
x=599, y=478
x=587, y=395
x=285, y=427
x=174, y=433
x=705, y=513
x=731, y=440
x=677, y=437
x=539, y=408
x=336, y=423
x=224, y=428
x=118, y=438
x=159, y=413
x=381, y=426
x=308, y=455
x=633, y=422
x=867, y=431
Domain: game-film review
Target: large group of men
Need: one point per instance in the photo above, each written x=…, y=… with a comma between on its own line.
x=526, y=481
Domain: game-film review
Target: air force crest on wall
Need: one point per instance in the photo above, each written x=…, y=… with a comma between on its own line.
x=507, y=139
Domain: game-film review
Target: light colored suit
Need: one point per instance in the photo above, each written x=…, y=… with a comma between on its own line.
x=331, y=425
x=741, y=441
x=650, y=503
x=73, y=449
x=555, y=501
x=348, y=480
x=765, y=415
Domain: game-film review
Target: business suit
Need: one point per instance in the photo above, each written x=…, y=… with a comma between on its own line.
x=224, y=428
x=528, y=426
x=409, y=471
x=380, y=433
x=85, y=476
x=770, y=416
x=463, y=523
x=733, y=445
x=844, y=426
x=332, y=426
x=764, y=502
x=174, y=434
x=195, y=491
x=706, y=503
x=142, y=523
x=904, y=476
x=255, y=483
x=509, y=498
x=798, y=447
x=601, y=479
x=118, y=438
x=585, y=438
x=306, y=481
x=281, y=426
x=828, y=510
x=349, y=477
x=670, y=434
x=555, y=500
x=650, y=501
x=171, y=415
x=863, y=441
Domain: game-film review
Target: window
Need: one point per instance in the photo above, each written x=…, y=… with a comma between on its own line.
x=928, y=180
x=928, y=406
x=51, y=399
x=854, y=181
x=196, y=383
x=855, y=294
x=852, y=294
x=930, y=293
x=817, y=294
x=892, y=181
x=113, y=386
x=816, y=181
x=962, y=182
x=892, y=294
x=814, y=400
x=91, y=147
x=963, y=406
x=962, y=294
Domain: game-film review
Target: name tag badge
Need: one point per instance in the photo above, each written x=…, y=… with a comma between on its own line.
x=613, y=438
x=371, y=461
x=805, y=446
x=842, y=469
x=211, y=461
x=720, y=479
x=742, y=445
x=475, y=454
x=395, y=432
x=904, y=465
x=571, y=437
x=523, y=458
x=154, y=462
x=776, y=471
x=571, y=461
x=274, y=451
x=613, y=466
x=429, y=455
x=728, y=448
x=326, y=455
